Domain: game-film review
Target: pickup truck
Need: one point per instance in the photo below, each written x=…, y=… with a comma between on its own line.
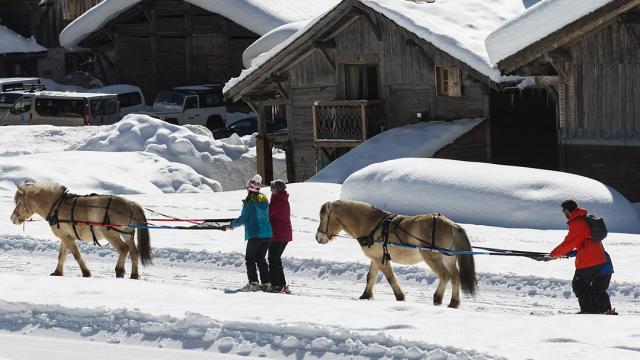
x=198, y=105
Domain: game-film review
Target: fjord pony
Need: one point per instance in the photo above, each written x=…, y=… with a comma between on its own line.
x=52, y=202
x=359, y=219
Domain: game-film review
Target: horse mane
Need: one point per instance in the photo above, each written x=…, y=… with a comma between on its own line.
x=50, y=187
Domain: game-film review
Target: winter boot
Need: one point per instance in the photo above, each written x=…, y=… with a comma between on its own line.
x=611, y=312
x=266, y=287
x=250, y=287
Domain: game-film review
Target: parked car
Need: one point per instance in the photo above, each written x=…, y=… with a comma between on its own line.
x=63, y=109
x=198, y=105
x=8, y=84
x=130, y=97
x=246, y=126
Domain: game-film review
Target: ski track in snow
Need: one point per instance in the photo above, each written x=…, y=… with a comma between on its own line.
x=218, y=271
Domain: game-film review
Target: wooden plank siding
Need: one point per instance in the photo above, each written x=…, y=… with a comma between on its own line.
x=186, y=44
x=406, y=83
x=471, y=146
x=603, y=89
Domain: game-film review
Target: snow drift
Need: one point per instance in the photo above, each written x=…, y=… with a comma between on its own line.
x=417, y=140
x=487, y=194
x=229, y=161
x=110, y=173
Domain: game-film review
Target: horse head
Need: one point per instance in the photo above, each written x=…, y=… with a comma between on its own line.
x=329, y=226
x=22, y=210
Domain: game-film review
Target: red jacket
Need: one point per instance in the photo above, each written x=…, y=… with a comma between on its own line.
x=589, y=253
x=280, y=217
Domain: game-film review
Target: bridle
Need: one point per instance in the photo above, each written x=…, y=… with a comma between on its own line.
x=326, y=225
x=22, y=202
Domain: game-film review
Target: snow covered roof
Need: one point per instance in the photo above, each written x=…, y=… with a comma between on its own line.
x=11, y=43
x=539, y=21
x=259, y=16
x=457, y=27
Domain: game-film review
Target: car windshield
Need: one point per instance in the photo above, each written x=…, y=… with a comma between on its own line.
x=168, y=98
x=9, y=98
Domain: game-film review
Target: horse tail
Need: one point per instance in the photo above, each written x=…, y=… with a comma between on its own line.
x=144, y=240
x=466, y=264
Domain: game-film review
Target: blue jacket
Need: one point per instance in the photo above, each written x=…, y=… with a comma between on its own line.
x=254, y=217
x=606, y=268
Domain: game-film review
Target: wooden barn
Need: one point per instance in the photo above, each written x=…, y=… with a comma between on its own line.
x=44, y=20
x=160, y=44
x=590, y=61
x=368, y=66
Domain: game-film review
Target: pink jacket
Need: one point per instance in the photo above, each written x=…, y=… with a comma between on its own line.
x=280, y=217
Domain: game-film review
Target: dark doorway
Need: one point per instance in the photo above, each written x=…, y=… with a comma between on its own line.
x=524, y=129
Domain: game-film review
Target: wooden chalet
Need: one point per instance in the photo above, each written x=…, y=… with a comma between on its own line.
x=160, y=44
x=592, y=65
x=44, y=20
x=355, y=72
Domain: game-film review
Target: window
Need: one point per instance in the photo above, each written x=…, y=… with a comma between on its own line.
x=211, y=100
x=60, y=107
x=361, y=81
x=129, y=99
x=105, y=106
x=191, y=102
x=23, y=105
x=448, y=81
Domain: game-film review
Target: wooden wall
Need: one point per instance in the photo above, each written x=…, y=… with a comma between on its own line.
x=472, y=146
x=601, y=104
x=616, y=166
x=168, y=43
x=406, y=75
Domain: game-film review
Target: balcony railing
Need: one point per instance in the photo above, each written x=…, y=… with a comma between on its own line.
x=346, y=122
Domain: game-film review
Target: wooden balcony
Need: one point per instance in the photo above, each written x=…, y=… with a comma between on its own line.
x=346, y=123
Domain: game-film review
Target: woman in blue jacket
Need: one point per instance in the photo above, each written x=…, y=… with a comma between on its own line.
x=257, y=233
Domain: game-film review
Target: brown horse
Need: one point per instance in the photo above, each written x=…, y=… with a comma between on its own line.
x=413, y=235
x=74, y=217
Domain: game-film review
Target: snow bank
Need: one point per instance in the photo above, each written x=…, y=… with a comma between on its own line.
x=417, y=140
x=11, y=42
x=539, y=21
x=110, y=173
x=457, y=27
x=230, y=161
x=32, y=139
x=487, y=194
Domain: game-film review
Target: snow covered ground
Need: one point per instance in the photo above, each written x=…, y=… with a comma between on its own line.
x=182, y=306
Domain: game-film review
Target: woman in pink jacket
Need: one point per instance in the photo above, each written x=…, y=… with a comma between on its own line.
x=280, y=218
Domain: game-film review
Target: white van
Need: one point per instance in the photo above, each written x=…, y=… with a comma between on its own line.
x=63, y=109
x=130, y=97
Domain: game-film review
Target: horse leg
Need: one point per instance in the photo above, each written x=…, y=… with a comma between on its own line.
x=123, y=249
x=133, y=252
x=372, y=276
x=70, y=243
x=443, y=276
x=393, y=281
x=61, y=258
x=450, y=264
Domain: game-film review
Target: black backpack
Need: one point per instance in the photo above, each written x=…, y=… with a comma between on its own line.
x=597, y=226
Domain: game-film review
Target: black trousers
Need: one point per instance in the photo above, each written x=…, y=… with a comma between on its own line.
x=275, y=263
x=583, y=286
x=600, y=285
x=256, y=251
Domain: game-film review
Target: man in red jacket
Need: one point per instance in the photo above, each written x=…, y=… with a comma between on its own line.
x=280, y=218
x=589, y=256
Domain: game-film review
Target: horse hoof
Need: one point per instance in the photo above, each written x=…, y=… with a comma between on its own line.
x=55, y=273
x=86, y=274
x=454, y=304
x=135, y=276
x=437, y=302
x=366, y=297
x=400, y=298
x=121, y=275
